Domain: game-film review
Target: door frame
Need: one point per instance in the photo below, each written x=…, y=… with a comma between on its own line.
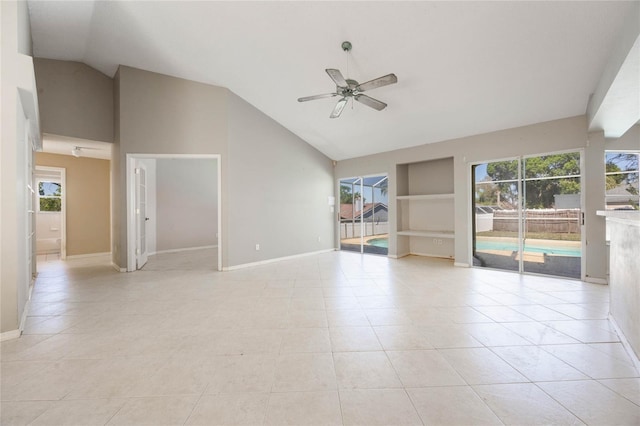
x=131, y=199
x=362, y=223
x=63, y=209
x=142, y=253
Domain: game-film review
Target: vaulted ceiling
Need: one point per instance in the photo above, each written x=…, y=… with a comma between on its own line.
x=463, y=68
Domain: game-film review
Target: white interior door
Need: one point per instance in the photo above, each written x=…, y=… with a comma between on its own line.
x=141, y=216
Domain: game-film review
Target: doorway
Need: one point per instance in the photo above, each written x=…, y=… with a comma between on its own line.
x=528, y=215
x=364, y=214
x=50, y=211
x=173, y=207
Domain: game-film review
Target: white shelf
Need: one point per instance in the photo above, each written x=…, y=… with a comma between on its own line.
x=429, y=234
x=425, y=197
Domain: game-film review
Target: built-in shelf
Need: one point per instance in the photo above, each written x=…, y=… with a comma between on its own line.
x=425, y=208
x=429, y=234
x=425, y=197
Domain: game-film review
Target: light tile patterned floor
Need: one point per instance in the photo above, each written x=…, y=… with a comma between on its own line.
x=336, y=338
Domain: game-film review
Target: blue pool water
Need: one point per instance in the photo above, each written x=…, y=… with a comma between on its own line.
x=510, y=246
x=379, y=242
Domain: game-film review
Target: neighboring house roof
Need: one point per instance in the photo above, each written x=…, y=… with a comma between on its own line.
x=346, y=210
x=622, y=190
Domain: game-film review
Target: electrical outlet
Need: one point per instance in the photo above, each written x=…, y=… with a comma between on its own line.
x=439, y=242
x=257, y=247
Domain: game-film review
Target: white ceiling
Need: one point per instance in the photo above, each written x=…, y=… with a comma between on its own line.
x=464, y=68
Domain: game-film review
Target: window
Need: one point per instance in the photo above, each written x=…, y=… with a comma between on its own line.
x=49, y=196
x=621, y=176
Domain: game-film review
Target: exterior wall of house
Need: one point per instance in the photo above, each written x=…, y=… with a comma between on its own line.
x=75, y=100
x=87, y=195
x=552, y=136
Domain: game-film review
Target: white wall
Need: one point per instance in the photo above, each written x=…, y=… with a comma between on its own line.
x=187, y=203
x=18, y=102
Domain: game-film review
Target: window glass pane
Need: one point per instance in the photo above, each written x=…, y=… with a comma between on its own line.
x=497, y=171
x=49, y=189
x=50, y=204
x=621, y=162
x=552, y=165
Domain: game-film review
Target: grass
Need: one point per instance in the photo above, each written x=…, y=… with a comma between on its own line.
x=532, y=235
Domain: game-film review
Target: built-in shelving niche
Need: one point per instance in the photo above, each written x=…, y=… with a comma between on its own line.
x=425, y=208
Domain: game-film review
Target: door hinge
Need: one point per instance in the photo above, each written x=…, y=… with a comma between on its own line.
x=582, y=213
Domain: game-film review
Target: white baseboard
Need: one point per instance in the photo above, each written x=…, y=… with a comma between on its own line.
x=593, y=280
x=625, y=343
x=277, y=259
x=85, y=256
x=117, y=268
x=8, y=335
x=437, y=256
x=182, y=249
x=461, y=264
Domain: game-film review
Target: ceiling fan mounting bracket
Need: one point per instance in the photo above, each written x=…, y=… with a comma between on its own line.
x=346, y=46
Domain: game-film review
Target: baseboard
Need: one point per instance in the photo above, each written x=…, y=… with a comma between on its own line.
x=8, y=335
x=117, y=268
x=277, y=259
x=85, y=256
x=182, y=249
x=593, y=280
x=437, y=256
x=461, y=264
x=625, y=343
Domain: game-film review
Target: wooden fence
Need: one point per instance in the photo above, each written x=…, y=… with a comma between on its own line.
x=566, y=221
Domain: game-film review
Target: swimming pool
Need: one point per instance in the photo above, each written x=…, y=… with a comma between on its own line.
x=512, y=246
x=379, y=242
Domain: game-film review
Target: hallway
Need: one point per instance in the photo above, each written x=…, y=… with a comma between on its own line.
x=335, y=338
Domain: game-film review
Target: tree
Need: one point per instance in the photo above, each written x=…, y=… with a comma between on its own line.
x=539, y=172
x=346, y=196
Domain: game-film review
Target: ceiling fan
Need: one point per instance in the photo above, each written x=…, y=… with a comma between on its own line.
x=351, y=89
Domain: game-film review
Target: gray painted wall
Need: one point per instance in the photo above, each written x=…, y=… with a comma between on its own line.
x=278, y=188
x=186, y=203
x=552, y=136
x=158, y=114
x=274, y=185
x=75, y=100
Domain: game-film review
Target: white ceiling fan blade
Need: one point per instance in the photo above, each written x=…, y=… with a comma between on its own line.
x=370, y=102
x=338, y=108
x=337, y=77
x=378, y=82
x=314, y=97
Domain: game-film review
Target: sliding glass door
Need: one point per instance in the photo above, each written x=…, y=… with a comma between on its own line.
x=527, y=215
x=364, y=210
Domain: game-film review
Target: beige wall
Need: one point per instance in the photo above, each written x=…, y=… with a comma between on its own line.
x=88, y=218
x=75, y=100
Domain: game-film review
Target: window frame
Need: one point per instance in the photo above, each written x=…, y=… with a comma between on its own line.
x=60, y=197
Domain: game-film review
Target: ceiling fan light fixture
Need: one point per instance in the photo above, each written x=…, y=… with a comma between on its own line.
x=348, y=88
